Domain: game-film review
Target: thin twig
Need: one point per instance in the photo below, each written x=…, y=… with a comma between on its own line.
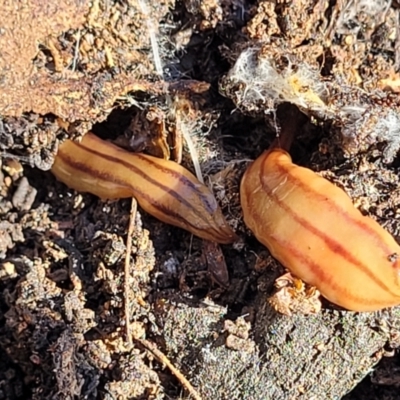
x=131, y=227
x=163, y=359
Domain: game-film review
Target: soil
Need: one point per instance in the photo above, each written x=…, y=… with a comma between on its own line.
x=142, y=74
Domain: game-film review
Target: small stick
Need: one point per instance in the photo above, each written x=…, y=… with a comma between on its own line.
x=163, y=359
x=131, y=227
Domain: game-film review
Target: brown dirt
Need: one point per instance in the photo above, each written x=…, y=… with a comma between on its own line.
x=84, y=65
